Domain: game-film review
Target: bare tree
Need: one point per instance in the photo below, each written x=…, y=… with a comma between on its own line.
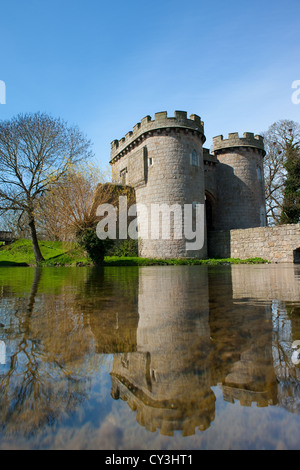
x=36, y=151
x=66, y=209
x=11, y=221
x=278, y=139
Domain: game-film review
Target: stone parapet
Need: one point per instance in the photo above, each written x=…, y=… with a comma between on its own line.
x=234, y=140
x=160, y=122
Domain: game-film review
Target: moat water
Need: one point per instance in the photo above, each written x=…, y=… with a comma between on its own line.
x=159, y=358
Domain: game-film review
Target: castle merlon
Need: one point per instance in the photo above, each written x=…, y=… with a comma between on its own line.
x=234, y=140
x=161, y=122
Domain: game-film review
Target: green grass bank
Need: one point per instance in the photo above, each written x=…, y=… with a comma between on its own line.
x=20, y=253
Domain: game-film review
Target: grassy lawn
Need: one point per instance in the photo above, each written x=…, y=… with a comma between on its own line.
x=20, y=253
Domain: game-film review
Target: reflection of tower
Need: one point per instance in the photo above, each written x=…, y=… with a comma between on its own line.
x=195, y=331
x=248, y=374
x=252, y=378
x=280, y=287
x=167, y=381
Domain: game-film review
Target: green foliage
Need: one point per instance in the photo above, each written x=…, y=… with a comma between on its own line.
x=135, y=261
x=73, y=257
x=124, y=248
x=281, y=140
x=94, y=247
x=291, y=203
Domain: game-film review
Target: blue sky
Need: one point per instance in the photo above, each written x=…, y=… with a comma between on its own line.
x=105, y=65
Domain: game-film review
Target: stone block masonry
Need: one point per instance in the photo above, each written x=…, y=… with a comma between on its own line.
x=280, y=244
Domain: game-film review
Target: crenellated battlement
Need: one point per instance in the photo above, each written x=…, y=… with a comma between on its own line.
x=160, y=122
x=234, y=140
x=247, y=398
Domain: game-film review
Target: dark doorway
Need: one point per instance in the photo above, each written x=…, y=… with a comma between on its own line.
x=297, y=256
x=209, y=205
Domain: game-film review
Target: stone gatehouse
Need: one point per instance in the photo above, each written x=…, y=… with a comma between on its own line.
x=164, y=159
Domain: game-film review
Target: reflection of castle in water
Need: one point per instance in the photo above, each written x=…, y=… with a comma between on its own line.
x=192, y=335
x=174, y=332
x=168, y=379
x=266, y=282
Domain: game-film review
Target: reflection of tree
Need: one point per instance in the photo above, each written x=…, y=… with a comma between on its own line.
x=52, y=336
x=108, y=298
x=286, y=329
x=44, y=377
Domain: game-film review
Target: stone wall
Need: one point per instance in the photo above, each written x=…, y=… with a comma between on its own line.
x=210, y=163
x=6, y=236
x=280, y=244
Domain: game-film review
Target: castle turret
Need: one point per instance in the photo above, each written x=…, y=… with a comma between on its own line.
x=240, y=182
x=163, y=160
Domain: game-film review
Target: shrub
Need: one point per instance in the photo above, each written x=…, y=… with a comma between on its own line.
x=124, y=248
x=95, y=248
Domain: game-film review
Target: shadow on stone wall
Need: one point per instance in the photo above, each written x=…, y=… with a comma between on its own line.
x=219, y=244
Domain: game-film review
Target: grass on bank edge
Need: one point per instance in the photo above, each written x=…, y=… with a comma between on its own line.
x=59, y=254
x=114, y=261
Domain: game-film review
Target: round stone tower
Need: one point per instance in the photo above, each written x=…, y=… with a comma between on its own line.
x=163, y=160
x=240, y=182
